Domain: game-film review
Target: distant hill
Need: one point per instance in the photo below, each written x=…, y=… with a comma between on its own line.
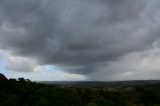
x=102, y=83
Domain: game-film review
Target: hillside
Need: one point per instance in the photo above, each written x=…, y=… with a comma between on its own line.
x=23, y=92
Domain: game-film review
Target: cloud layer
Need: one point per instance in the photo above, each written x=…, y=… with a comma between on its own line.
x=80, y=37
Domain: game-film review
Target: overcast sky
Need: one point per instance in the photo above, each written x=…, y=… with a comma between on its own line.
x=80, y=39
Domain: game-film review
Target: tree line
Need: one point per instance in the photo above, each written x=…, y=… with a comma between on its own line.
x=23, y=92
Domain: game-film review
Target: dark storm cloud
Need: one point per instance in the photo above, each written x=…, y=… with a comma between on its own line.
x=76, y=34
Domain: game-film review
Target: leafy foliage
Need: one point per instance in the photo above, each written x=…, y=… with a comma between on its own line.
x=23, y=92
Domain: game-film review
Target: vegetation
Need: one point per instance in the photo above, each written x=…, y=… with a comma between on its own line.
x=23, y=92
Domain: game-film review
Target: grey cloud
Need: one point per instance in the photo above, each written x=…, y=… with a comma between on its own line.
x=135, y=65
x=78, y=35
